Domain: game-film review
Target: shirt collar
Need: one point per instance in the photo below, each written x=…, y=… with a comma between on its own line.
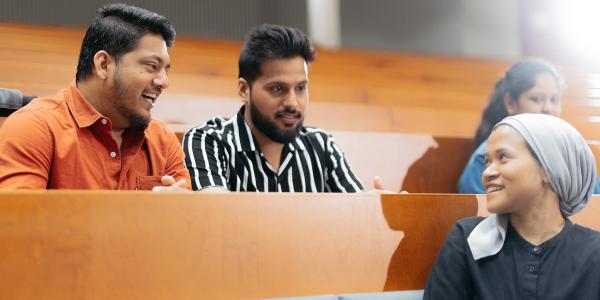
x=85, y=115
x=514, y=236
x=487, y=238
x=82, y=111
x=244, y=139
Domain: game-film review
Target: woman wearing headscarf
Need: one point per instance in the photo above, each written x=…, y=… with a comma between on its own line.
x=539, y=171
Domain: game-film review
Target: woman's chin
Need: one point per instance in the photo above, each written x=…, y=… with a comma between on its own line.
x=497, y=205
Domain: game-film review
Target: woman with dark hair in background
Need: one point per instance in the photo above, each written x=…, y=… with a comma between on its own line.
x=529, y=86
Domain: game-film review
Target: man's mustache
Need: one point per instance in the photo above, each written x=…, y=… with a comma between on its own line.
x=293, y=112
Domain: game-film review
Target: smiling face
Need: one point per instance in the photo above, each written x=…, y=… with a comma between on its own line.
x=277, y=99
x=513, y=177
x=139, y=78
x=542, y=98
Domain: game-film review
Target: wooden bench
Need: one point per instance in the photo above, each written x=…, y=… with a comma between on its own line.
x=416, y=163
x=417, y=93
x=191, y=111
x=130, y=245
x=140, y=245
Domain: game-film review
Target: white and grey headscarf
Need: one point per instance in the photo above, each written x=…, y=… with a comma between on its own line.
x=568, y=162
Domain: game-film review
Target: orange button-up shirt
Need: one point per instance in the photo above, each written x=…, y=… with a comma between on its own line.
x=63, y=142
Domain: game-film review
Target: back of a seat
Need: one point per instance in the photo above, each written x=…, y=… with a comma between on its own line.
x=141, y=245
x=11, y=100
x=138, y=245
x=417, y=163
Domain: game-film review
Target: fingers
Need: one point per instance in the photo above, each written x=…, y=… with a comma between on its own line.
x=174, y=186
x=378, y=183
x=167, y=180
x=159, y=188
x=180, y=184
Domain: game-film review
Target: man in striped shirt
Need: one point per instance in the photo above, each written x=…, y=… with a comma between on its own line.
x=265, y=147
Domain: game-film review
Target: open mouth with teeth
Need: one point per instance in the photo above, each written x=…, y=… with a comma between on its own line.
x=150, y=97
x=493, y=188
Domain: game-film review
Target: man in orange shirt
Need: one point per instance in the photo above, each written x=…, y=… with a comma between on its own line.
x=98, y=132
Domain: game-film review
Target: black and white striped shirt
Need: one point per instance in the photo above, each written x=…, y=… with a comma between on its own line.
x=224, y=153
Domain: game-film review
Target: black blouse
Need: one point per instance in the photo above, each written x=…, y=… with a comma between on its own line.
x=564, y=267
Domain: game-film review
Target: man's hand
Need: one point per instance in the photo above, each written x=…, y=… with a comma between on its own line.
x=170, y=185
x=378, y=187
x=378, y=183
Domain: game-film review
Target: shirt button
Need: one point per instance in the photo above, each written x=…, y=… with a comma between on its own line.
x=531, y=269
x=113, y=154
x=103, y=121
x=536, y=249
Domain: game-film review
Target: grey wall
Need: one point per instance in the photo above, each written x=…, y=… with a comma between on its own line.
x=423, y=25
x=486, y=28
x=228, y=19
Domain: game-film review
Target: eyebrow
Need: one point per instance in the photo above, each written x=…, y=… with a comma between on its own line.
x=160, y=60
x=285, y=83
x=497, y=151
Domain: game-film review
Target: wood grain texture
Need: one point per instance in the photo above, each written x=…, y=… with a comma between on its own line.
x=411, y=93
x=128, y=245
x=142, y=245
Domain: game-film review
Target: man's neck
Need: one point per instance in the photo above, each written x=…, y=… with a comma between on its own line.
x=94, y=94
x=118, y=137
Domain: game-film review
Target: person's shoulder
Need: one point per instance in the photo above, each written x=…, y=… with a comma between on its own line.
x=316, y=136
x=460, y=231
x=467, y=225
x=159, y=127
x=49, y=112
x=587, y=241
x=40, y=119
x=315, y=132
x=46, y=107
x=586, y=235
x=218, y=129
x=214, y=125
x=159, y=132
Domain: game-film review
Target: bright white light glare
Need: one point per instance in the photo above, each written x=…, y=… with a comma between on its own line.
x=592, y=93
x=579, y=26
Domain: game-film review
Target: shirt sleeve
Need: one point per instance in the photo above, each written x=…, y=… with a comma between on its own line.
x=340, y=176
x=26, y=150
x=175, y=162
x=449, y=278
x=205, y=160
x=470, y=180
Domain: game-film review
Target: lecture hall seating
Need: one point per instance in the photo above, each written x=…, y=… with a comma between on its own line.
x=139, y=245
x=436, y=97
x=143, y=245
x=418, y=93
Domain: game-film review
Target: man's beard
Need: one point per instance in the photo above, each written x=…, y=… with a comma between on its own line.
x=120, y=92
x=270, y=129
